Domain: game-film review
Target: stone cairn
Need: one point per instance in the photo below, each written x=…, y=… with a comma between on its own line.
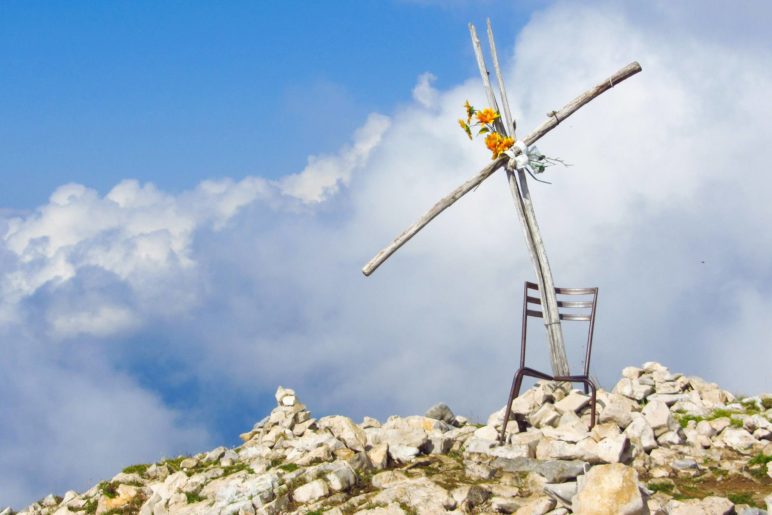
x=664, y=444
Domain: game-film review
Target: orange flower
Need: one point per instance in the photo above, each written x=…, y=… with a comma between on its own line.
x=498, y=144
x=487, y=116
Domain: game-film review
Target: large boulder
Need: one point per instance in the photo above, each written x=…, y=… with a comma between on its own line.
x=609, y=490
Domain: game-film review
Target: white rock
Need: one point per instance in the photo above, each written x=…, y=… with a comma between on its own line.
x=640, y=433
x=310, y=491
x=563, y=493
x=707, y=506
x=609, y=490
x=631, y=372
x=403, y=453
x=739, y=439
x=617, y=409
x=487, y=433
x=379, y=456
x=281, y=393
x=659, y=418
x=538, y=506
x=345, y=430
x=612, y=449
x=546, y=415
x=341, y=477
x=421, y=494
x=670, y=438
x=574, y=402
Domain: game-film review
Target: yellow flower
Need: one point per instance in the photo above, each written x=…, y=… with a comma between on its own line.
x=498, y=144
x=469, y=111
x=465, y=126
x=487, y=116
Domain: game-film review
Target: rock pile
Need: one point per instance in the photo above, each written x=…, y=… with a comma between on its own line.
x=664, y=444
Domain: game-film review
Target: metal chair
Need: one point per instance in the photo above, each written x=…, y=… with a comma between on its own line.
x=567, y=310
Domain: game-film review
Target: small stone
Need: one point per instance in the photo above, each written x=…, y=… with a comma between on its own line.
x=670, y=438
x=504, y=505
x=379, y=456
x=707, y=506
x=739, y=439
x=612, y=449
x=468, y=497
x=609, y=490
x=563, y=493
x=474, y=470
x=618, y=410
x=574, y=402
x=538, y=506
x=387, y=478
x=631, y=372
x=441, y=411
x=341, y=477
x=403, y=453
x=345, y=430
x=188, y=463
x=281, y=393
x=659, y=418
x=487, y=433
x=546, y=415
x=369, y=422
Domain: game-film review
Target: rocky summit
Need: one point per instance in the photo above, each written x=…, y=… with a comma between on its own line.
x=664, y=444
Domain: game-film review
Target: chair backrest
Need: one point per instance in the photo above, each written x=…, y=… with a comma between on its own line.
x=571, y=310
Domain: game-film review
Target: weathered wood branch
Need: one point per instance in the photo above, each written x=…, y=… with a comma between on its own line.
x=556, y=117
x=509, y=121
x=525, y=211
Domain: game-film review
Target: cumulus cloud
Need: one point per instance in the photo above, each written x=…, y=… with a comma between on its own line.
x=186, y=310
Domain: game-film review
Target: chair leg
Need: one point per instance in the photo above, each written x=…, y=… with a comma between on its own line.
x=592, y=401
x=513, y=392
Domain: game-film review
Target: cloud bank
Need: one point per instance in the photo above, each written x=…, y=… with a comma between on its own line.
x=139, y=323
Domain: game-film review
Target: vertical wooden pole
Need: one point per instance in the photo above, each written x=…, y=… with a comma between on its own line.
x=520, y=194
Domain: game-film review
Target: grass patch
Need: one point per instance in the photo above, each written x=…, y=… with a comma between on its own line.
x=289, y=467
x=742, y=498
x=89, y=507
x=109, y=489
x=666, y=488
x=136, y=469
x=174, y=463
x=757, y=466
x=766, y=402
x=193, y=498
x=684, y=418
x=236, y=467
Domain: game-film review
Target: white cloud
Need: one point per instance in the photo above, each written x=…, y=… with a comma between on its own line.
x=245, y=285
x=423, y=92
x=324, y=175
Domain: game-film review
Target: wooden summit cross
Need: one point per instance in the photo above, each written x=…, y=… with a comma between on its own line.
x=518, y=186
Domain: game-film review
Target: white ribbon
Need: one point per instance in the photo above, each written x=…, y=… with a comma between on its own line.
x=521, y=160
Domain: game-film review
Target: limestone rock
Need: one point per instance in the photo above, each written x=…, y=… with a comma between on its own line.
x=659, y=417
x=345, y=430
x=421, y=494
x=609, y=490
x=310, y=491
x=706, y=506
x=441, y=411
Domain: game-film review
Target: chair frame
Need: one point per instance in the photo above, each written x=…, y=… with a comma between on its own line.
x=571, y=316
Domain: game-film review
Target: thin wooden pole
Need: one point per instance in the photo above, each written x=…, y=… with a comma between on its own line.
x=555, y=118
x=527, y=215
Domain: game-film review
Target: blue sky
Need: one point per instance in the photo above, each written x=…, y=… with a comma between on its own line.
x=189, y=191
x=177, y=92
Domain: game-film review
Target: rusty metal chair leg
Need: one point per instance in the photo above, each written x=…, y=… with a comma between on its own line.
x=513, y=392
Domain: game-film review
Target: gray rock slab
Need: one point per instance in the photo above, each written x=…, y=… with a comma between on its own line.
x=554, y=471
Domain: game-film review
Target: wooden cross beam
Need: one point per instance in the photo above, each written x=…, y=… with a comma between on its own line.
x=518, y=187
